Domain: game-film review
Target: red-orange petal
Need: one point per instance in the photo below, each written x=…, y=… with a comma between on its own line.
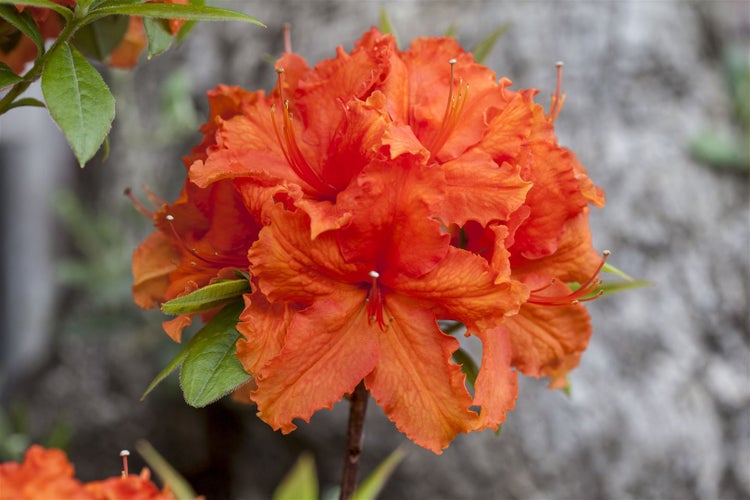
x=153, y=261
x=496, y=386
x=421, y=390
x=263, y=326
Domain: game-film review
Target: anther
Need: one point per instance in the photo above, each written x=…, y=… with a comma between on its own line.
x=138, y=204
x=124, y=454
x=169, y=217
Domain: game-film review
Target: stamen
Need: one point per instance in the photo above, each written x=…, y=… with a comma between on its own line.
x=558, y=98
x=124, y=454
x=138, y=204
x=375, y=301
x=586, y=292
x=453, y=109
x=290, y=148
x=286, y=31
x=215, y=260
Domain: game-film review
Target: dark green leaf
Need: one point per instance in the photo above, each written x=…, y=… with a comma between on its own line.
x=468, y=365
x=175, y=11
x=98, y=39
x=47, y=4
x=26, y=101
x=483, y=49
x=7, y=76
x=158, y=35
x=206, y=298
x=168, y=475
x=78, y=100
x=24, y=23
x=374, y=483
x=301, y=483
x=211, y=369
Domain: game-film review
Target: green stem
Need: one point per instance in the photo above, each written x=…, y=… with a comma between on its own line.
x=35, y=72
x=357, y=409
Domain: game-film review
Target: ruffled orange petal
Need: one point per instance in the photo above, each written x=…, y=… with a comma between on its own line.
x=263, y=326
x=175, y=326
x=328, y=349
x=153, y=261
x=480, y=190
x=508, y=126
x=548, y=341
x=496, y=386
x=421, y=390
x=126, y=53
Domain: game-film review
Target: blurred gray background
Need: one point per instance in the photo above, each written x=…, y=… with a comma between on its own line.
x=660, y=406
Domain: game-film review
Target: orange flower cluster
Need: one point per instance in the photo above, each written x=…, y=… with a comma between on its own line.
x=16, y=49
x=47, y=474
x=368, y=198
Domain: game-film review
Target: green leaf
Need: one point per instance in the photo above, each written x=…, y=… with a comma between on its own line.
x=78, y=100
x=374, y=483
x=23, y=22
x=26, y=101
x=47, y=4
x=174, y=11
x=211, y=369
x=609, y=268
x=98, y=39
x=168, y=475
x=7, y=76
x=206, y=298
x=386, y=26
x=483, y=48
x=610, y=287
x=301, y=483
x=468, y=365
x=189, y=25
x=158, y=35
x=451, y=31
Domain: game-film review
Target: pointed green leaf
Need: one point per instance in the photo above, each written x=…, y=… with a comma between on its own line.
x=301, y=483
x=610, y=287
x=98, y=39
x=158, y=35
x=386, y=26
x=483, y=49
x=374, y=483
x=26, y=101
x=168, y=475
x=189, y=25
x=206, y=298
x=211, y=369
x=609, y=268
x=7, y=76
x=47, y=4
x=174, y=11
x=468, y=365
x=78, y=100
x=23, y=22
x=451, y=31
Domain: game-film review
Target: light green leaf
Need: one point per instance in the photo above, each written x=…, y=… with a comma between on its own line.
x=206, y=298
x=610, y=287
x=168, y=475
x=174, y=11
x=386, y=26
x=78, y=100
x=47, y=4
x=374, y=483
x=98, y=39
x=7, y=76
x=158, y=35
x=301, y=483
x=189, y=25
x=609, y=268
x=26, y=101
x=211, y=369
x=23, y=22
x=483, y=48
x=468, y=365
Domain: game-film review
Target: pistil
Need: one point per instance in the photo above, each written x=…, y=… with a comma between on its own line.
x=375, y=301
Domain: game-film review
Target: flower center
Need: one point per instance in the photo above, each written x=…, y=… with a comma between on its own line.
x=290, y=148
x=453, y=109
x=586, y=292
x=374, y=301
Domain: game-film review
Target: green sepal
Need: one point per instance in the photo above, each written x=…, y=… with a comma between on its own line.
x=7, y=76
x=158, y=35
x=484, y=47
x=300, y=483
x=173, y=11
x=178, y=486
x=211, y=369
x=374, y=483
x=23, y=22
x=47, y=4
x=78, y=100
x=207, y=298
x=468, y=365
x=97, y=40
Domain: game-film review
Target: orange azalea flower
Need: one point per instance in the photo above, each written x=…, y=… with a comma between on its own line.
x=47, y=474
x=399, y=188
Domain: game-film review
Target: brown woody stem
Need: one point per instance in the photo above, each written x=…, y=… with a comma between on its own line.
x=358, y=406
